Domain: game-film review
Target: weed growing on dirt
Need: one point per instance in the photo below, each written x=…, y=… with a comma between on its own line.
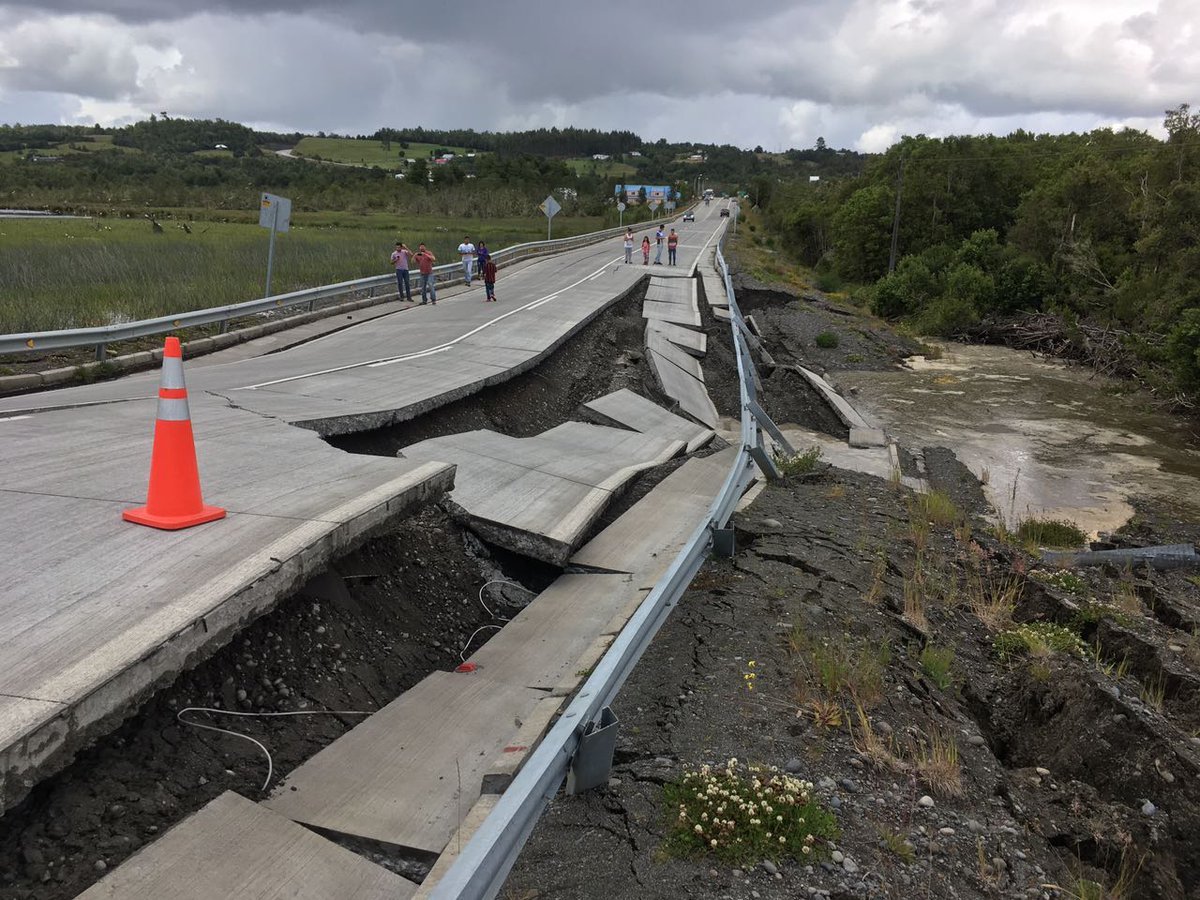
x=1084, y=888
x=878, y=570
x=871, y=745
x=829, y=668
x=1038, y=639
x=936, y=761
x=897, y=844
x=837, y=492
x=1051, y=533
x=1126, y=599
x=991, y=595
x=914, y=602
x=1063, y=580
x=826, y=340
x=936, y=663
x=1112, y=670
x=801, y=463
x=935, y=507
x=1154, y=693
x=741, y=813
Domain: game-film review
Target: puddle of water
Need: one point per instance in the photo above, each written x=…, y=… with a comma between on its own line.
x=1052, y=440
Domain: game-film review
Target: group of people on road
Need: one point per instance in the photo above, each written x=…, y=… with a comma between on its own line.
x=403, y=259
x=671, y=240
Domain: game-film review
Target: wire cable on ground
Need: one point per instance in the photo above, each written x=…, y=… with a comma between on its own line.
x=264, y=715
x=500, y=581
x=462, y=654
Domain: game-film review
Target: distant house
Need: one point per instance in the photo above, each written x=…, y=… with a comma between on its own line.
x=440, y=161
x=635, y=152
x=448, y=156
x=814, y=177
x=696, y=157
x=471, y=155
x=220, y=147
x=600, y=157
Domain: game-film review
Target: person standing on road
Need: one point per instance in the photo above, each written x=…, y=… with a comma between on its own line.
x=628, y=245
x=425, y=261
x=658, y=245
x=645, y=251
x=482, y=255
x=467, y=249
x=489, y=280
x=672, y=246
x=400, y=259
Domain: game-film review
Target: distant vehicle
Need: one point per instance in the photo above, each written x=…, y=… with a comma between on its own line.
x=724, y=211
x=689, y=217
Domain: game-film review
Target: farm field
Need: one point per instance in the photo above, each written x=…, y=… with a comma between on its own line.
x=79, y=273
x=367, y=153
x=606, y=168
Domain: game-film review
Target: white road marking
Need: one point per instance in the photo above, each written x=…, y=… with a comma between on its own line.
x=15, y=418
x=390, y=360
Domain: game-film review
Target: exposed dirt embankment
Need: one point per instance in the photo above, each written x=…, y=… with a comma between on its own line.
x=980, y=725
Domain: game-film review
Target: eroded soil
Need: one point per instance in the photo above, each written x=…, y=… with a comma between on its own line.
x=1068, y=773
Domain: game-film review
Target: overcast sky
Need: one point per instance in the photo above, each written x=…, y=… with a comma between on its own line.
x=778, y=73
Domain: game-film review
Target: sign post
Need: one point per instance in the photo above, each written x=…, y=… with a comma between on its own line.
x=550, y=207
x=274, y=213
x=654, y=205
x=621, y=212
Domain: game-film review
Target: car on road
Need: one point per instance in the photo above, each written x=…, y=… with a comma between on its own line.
x=724, y=210
x=689, y=217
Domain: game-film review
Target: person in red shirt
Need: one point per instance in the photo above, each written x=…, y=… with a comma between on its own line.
x=425, y=260
x=645, y=251
x=489, y=280
x=672, y=245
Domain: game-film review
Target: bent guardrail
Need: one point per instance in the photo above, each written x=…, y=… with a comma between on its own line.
x=484, y=863
x=100, y=336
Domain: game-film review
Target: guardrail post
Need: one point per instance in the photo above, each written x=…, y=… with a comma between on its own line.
x=101, y=352
x=760, y=456
x=224, y=326
x=592, y=763
x=764, y=420
x=724, y=542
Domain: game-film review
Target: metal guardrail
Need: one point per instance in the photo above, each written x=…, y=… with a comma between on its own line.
x=481, y=867
x=101, y=336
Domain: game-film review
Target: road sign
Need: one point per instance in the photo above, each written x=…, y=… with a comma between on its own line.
x=670, y=205
x=275, y=212
x=620, y=207
x=621, y=213
x=550, y=207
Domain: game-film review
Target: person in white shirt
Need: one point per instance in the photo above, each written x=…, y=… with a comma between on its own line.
x=467, y=249
x=659, y=237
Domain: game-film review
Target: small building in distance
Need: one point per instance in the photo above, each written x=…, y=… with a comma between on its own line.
x=653, y=192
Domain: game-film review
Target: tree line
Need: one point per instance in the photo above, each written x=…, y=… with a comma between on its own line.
x=952, y=233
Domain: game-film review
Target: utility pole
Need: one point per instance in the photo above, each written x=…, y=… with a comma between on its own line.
x=896, y=219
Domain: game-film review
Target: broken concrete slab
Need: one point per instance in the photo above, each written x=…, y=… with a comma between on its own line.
x=541, y=644
x=538, y=495
x=867, y=437
x=670, y=312
x=406, y=775
x=841, y=406
x=688, y=391
x=645, y=540
x=631, y=410
x=693, y=342
x=235, y=848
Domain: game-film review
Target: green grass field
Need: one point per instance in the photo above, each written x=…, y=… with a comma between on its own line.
x=87, y=144
x=76, y=273
x=367, y=153
x=606, y=168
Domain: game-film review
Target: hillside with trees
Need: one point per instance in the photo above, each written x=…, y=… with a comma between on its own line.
x=1101, y=230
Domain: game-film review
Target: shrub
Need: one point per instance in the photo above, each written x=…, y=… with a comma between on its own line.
x=936, y=507
x=826, y=340
x=741, y=813
x=801, y=463
x=829, y=282
x=1051, y=533
x=1063, y=580
x=936, y=663
x=1038, y=639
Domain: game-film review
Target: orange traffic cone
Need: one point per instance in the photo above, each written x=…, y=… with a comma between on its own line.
x=173, y=500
